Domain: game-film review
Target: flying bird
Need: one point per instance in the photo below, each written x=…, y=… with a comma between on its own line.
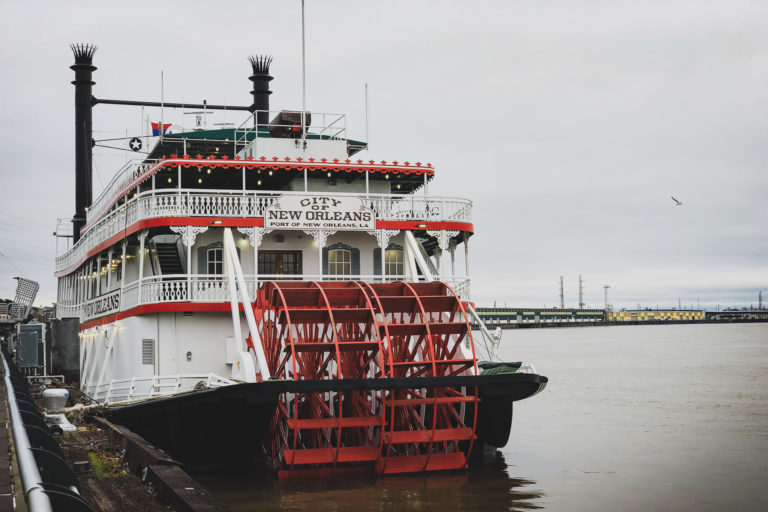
x=677, y=203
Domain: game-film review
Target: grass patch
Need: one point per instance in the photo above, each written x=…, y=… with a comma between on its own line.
x=106, y=464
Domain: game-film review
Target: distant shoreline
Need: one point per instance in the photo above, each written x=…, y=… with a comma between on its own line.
x=537, y=325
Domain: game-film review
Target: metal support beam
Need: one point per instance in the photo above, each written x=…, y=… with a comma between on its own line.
x=97, y=101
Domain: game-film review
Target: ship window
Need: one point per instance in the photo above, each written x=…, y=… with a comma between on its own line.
x=273, y=263
x=339, y=262
x=340, y=259
x=148, y=351
x=394, y=261
x=215, y=261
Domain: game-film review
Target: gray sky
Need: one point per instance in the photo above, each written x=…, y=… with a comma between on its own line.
x=568, y=123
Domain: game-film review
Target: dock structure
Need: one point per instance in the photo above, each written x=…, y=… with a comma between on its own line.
x=499, y=317
x=742, y=315
x=521, y=317
x=643, y=315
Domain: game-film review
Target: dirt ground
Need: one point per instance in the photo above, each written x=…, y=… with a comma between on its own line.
x=109, y=486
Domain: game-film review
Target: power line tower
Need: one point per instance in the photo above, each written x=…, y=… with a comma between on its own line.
x=562, y=295
x=607, y=304
x=581, y=293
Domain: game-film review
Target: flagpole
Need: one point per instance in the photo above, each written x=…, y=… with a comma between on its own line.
x=303, y=81
x=303, y=95
x=367, y=138
x=162, y=101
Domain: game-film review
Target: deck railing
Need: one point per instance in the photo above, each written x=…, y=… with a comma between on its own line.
x=215, y=288
x=216, y=203
x=139, y=388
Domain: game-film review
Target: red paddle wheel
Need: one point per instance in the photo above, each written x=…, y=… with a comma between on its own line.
x=322, y=331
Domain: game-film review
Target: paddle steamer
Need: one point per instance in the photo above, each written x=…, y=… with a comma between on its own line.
x=264, y=292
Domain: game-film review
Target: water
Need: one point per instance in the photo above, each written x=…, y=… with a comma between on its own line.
x=635, y=418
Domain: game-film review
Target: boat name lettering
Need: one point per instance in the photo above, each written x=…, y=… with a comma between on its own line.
x=102, y=305
x=319, y=212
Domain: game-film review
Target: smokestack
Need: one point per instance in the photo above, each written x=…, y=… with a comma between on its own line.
x=83, y=83
x=261, y=92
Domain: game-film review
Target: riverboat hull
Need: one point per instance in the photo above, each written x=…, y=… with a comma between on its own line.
x=230, y=425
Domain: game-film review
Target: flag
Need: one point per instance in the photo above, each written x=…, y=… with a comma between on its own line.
x=156, y=128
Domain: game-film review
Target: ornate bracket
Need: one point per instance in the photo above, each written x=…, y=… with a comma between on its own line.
x=443, y=238
x=383, y=236
x=188, y=233
x=255, y=235
x=320, y=236
x=142, y=235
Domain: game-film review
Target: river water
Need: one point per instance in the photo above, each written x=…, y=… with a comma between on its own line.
x=635, y=418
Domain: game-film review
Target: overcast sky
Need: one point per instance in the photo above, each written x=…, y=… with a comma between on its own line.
x=568, y=123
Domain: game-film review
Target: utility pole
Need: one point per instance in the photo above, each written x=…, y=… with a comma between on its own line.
x=562, y=295
x=607, y=305
x=581, y=293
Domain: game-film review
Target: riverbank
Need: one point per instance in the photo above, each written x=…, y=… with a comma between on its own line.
x=536, y=325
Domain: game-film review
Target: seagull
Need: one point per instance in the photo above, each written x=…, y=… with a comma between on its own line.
x=677, y=203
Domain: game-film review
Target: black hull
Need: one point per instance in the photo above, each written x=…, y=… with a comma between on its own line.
x=227, y=425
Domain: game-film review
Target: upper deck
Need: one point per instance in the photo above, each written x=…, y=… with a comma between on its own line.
x=224, y=177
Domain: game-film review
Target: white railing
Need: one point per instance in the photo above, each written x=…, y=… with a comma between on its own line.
x=323, y=124
x=214, y=288
x=213, y=203
x=139, y=388
x=129, y=172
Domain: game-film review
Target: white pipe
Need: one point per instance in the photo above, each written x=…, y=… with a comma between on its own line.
x=30, y=477
x=233, y=297
x=420, y=261
x=247, y=306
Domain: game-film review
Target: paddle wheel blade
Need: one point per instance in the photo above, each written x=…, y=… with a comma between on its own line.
x=321, y=331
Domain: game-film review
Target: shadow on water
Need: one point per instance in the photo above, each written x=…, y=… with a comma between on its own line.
x=484, y=487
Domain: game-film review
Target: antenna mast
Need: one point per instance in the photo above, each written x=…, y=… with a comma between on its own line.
x=367, y=144
x=581, y=293
x=607, y=304
x=562, y=295
x=303, y=82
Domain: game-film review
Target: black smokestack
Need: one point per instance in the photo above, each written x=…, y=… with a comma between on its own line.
x=83, y=83
x=261, y=92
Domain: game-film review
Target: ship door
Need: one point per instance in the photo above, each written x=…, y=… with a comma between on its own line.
x=273, y=264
